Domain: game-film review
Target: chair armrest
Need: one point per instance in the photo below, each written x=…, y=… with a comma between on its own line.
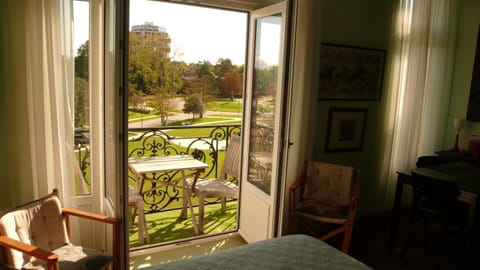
x=42, y=254
x=353, y=211
x=298, y=182
x=83, y=214
x=292, y=201
x=67, y=212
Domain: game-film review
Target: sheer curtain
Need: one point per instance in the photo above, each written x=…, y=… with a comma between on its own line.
x=39, y=82
x=418, y=85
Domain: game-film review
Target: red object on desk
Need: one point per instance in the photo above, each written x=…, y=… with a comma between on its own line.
x=474, y=147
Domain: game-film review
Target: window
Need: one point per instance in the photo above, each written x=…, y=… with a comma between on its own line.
x=82, y=97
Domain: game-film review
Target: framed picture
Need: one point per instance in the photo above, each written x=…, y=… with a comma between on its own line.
x=350, y=73
x=346, y=129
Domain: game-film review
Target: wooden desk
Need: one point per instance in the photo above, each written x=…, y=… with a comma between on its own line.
x=465, y=174
x=150, y=165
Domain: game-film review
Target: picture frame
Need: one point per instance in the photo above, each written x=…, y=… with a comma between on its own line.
x=350, y=73
x=345, y=129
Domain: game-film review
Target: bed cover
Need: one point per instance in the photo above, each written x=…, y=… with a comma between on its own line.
x=288, y=252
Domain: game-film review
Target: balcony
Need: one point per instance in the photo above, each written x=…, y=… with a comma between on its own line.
x=162, y=206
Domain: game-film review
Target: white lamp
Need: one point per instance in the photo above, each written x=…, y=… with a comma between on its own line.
x=458, y=124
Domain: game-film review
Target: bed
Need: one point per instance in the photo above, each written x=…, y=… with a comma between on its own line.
x=289, y=252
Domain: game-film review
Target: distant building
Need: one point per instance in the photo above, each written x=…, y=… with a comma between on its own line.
x=151, y=35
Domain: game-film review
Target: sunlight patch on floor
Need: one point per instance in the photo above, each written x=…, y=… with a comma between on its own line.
x=185, y=251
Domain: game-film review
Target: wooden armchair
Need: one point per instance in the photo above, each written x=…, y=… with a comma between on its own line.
x=325, y=194
x=36, y=235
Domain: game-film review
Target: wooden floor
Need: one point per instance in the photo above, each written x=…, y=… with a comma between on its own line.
x=369, y=245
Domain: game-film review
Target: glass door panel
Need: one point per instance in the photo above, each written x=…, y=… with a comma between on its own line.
x=264, y=101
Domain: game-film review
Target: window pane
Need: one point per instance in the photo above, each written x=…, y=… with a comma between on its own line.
x=82, y=97
x=264, y=90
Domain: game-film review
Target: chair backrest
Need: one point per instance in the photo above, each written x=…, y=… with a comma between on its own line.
x=326, y=182
x=38, y=223
x=231, y=162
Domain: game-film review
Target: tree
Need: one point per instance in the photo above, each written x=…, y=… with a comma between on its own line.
x=152, y=73
x=81, y=61
x=231, y=84
x=265, y=80
x=81, y=99
x=167, y=84
x=200, y=87
x=223, y=66
x=194, y=105
x=81, y=102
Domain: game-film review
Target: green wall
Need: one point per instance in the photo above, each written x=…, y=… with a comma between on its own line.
x=467, y=31
x=367, y=24
x=15, y=162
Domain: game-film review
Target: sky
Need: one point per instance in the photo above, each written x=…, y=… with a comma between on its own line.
x=80, y=23
x=196, y=33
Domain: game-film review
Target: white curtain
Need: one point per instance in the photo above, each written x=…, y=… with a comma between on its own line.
x=418, y=85
x=39, y=59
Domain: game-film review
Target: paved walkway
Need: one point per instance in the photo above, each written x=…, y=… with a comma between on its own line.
x=156, y=122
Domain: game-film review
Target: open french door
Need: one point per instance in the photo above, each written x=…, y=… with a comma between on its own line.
x=85, y=232
x=105, y=114
x=263, y=134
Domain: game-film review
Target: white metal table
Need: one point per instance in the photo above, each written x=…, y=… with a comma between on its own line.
x=148, y=165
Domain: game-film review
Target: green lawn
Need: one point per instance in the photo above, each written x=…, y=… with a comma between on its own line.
x=225, y=105
x=133, y=115
x=168, y=226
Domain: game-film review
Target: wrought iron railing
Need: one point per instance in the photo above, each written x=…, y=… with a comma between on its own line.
x=82, y=155
x=206, y=143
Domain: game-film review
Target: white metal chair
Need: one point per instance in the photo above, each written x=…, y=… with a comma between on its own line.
x=220, y=187
x=135, y=203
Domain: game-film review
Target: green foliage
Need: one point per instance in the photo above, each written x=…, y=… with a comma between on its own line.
x=194, y=105
x=81, y=102
x=265, y=80
x=81, y=86
x=153, y=73
x=231, y=84
x=81, y=61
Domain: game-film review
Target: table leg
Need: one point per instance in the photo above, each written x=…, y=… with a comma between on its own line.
x=187, y=192
x=140, y=181
x=186, y=196
x=201, y=213
x=471, y=200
